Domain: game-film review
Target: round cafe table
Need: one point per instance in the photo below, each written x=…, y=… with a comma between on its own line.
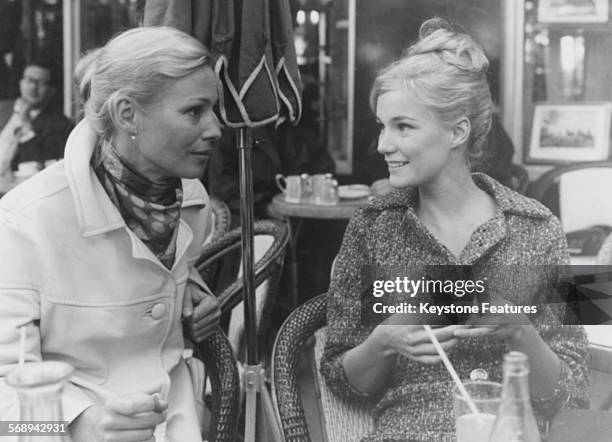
x=295, y=213
x=344, y=209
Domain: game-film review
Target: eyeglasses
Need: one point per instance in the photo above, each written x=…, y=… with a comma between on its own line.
x=39, y=82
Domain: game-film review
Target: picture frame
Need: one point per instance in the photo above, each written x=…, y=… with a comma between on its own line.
x=569, y=132
x=573, y=11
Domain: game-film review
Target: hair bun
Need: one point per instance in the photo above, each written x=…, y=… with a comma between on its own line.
x=432, y=25
x=454, y=46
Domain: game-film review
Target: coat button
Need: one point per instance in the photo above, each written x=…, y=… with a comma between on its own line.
x=479, y=374
x=158, y=311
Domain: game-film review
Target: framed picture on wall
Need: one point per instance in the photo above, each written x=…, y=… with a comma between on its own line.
x=564, y=133
x=573, y=11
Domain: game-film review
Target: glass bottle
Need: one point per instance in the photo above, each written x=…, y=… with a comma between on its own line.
x=515, y=421
x=39, y=387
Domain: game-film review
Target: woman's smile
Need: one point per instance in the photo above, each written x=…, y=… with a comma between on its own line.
x=409, y=129
x=396, y=164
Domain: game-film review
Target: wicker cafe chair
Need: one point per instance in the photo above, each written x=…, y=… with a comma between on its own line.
x=578, y=195
x=342, y=421
x=268, y=268
x=546, y=189
x=600, y=374
x=221, y=222
x=222, y=370
x=221, y=215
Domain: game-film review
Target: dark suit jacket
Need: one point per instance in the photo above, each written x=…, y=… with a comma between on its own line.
x=51, y=130
x=6, y=110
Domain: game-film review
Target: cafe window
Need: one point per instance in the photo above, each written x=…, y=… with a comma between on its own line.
x=558, y=85
x=29, y=30
x=91, y=23
x=101, y=19
x=60, y=31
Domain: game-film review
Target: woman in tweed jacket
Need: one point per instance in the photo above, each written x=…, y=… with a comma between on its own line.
x=434, y=109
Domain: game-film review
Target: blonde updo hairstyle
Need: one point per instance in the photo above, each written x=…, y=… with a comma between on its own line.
x=444, y=70
x=141, y=64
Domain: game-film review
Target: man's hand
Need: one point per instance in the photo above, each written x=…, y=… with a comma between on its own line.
x=131, y=418
x=22, y=109
x=201, y=311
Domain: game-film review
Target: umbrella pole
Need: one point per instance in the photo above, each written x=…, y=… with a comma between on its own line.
x=261, y=410
x=252, y=382
x=244, y=143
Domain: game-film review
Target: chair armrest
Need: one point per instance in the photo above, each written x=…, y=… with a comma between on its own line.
x=293, y=334
x=539, y=187
x=600, y=358
x=273, y=257
x=222, y=369
x=222, y=216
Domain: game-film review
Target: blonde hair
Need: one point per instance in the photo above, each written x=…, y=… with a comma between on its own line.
x=445, y=70
x=139, y=63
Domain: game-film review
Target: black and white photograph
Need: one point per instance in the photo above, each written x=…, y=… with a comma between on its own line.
x=564, y=133
x=305, y=221
x=573, y=11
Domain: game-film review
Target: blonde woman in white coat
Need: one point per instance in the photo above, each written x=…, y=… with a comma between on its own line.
x=97, y=251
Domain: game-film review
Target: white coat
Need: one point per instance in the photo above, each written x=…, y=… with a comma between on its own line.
x=103, y=301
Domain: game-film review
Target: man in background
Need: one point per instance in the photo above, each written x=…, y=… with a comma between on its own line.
x=33, y=128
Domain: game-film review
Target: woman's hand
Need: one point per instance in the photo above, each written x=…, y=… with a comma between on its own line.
x=201, y=311
x=131, y=418
x=412, y=341
x=507, y=326
x=520, y=335
x=368, y=365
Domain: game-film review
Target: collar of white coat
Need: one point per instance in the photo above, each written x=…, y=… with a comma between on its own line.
x=96, y=212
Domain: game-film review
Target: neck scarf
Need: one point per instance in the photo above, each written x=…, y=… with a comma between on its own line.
x=151, y=209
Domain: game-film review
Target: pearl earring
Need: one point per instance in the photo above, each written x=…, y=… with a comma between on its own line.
x=133, y=137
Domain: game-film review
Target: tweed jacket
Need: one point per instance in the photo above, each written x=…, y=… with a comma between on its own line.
x=518, y=250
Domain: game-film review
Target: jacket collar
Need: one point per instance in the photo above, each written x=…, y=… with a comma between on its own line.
x=96, y=213
x=508, y=201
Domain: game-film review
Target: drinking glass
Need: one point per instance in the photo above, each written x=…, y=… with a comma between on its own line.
x=39, y=387
x=486, y=396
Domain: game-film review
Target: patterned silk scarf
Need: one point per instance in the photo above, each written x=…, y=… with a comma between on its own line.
x=150, y=209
